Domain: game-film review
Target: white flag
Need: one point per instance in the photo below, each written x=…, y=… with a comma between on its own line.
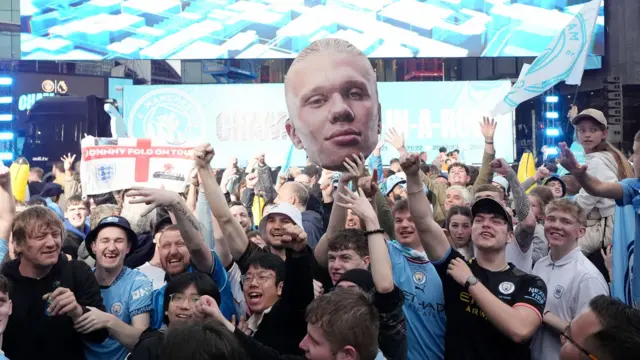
x=563, y=60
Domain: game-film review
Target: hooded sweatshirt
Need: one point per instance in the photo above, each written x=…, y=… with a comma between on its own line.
x=31, y=333
x=602, y=166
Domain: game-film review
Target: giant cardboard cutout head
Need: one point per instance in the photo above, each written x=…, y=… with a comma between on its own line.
x=332, y=99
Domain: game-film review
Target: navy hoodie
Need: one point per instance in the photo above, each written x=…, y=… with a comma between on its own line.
x=31, y=333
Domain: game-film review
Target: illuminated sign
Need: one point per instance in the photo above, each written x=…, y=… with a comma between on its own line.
x=49, y=88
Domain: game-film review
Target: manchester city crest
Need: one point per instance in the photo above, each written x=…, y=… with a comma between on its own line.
x=170, y=114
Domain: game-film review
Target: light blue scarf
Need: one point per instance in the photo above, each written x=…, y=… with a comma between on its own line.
x=409, y=252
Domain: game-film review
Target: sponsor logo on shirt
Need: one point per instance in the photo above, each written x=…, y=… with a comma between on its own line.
x=419, y=277
x=507, y=287
x=141, y=292
x=536, y=295
x=470, y=305
x=557, y=293
x=116, y=308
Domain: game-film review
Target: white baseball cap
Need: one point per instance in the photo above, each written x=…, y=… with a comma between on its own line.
x=286, y=209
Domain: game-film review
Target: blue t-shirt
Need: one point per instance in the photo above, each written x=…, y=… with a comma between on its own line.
x=218, y=275
x=129, y=295
x=631, y=196
x=423, y=305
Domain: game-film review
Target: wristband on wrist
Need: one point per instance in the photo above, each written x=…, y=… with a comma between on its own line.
x=373, y=232
x=488, y=142
x=416, y=191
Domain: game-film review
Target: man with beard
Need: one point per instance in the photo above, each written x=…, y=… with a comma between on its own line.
x=332, y=98
x=141, y=217
x=395, y=189
x=492, y=308
x=126, y=292
x=181, y=246
x=241, y=214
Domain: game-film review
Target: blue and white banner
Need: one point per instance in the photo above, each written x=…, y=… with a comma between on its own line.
x=563, y=60
x=241, y=120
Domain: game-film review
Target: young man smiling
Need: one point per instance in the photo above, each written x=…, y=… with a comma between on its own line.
x=492, y=308
x=50, y=292
x=571, y=277
x=126, y=292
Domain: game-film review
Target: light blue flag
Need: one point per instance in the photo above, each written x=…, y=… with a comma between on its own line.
x=287, y=162
x=563, y=60
x=624, y=244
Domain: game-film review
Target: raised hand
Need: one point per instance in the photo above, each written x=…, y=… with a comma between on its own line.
x=369, y=184
x=251, y=180
x=357, y=203
x=355, y=168
x=153, y=197
x=500, y=167
x=395, y=139
x=569, y=162
x=294, y=237
x=68, y=161
x=488, y=128
x=203, y=154
x=410, y=164
x=542, y=173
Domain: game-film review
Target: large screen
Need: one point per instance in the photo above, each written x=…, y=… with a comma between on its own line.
x=271, y=29
x=447, y=117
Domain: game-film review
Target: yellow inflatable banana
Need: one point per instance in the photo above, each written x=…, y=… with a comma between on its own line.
x=19, y=171
x=527, y=168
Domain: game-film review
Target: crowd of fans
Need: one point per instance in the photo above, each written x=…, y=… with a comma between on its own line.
x=421, y=260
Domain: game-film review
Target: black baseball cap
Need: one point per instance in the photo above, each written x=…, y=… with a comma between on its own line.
x=490, y=206
x=116, y=221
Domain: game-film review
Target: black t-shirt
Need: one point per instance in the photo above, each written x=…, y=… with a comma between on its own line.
x=469, y=334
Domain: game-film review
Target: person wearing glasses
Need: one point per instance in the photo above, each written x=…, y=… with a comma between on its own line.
x=181, y=295
x=607, y=330
x=126, y=293
x=277, y=293
x=570, y=276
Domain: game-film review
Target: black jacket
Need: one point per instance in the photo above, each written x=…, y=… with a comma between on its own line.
x=148, y=347
x=313, y=226
x=285, y=326
x=31, y=333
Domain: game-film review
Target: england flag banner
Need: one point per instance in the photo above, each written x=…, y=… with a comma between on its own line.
x=117, y=164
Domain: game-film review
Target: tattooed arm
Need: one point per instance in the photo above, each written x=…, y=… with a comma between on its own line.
x=527, y=221
x=200, y=253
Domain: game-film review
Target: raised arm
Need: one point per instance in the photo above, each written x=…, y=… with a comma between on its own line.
x=7, y=204
x=378, y=252
x=590, y=184
x=488, y=129
x=526, y=218
x=231, y=230
x=432, y=237
x=187, y=224
x=355, y=169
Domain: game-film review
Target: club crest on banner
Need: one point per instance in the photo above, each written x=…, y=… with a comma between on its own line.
x=169, y=114
x=105, y=172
